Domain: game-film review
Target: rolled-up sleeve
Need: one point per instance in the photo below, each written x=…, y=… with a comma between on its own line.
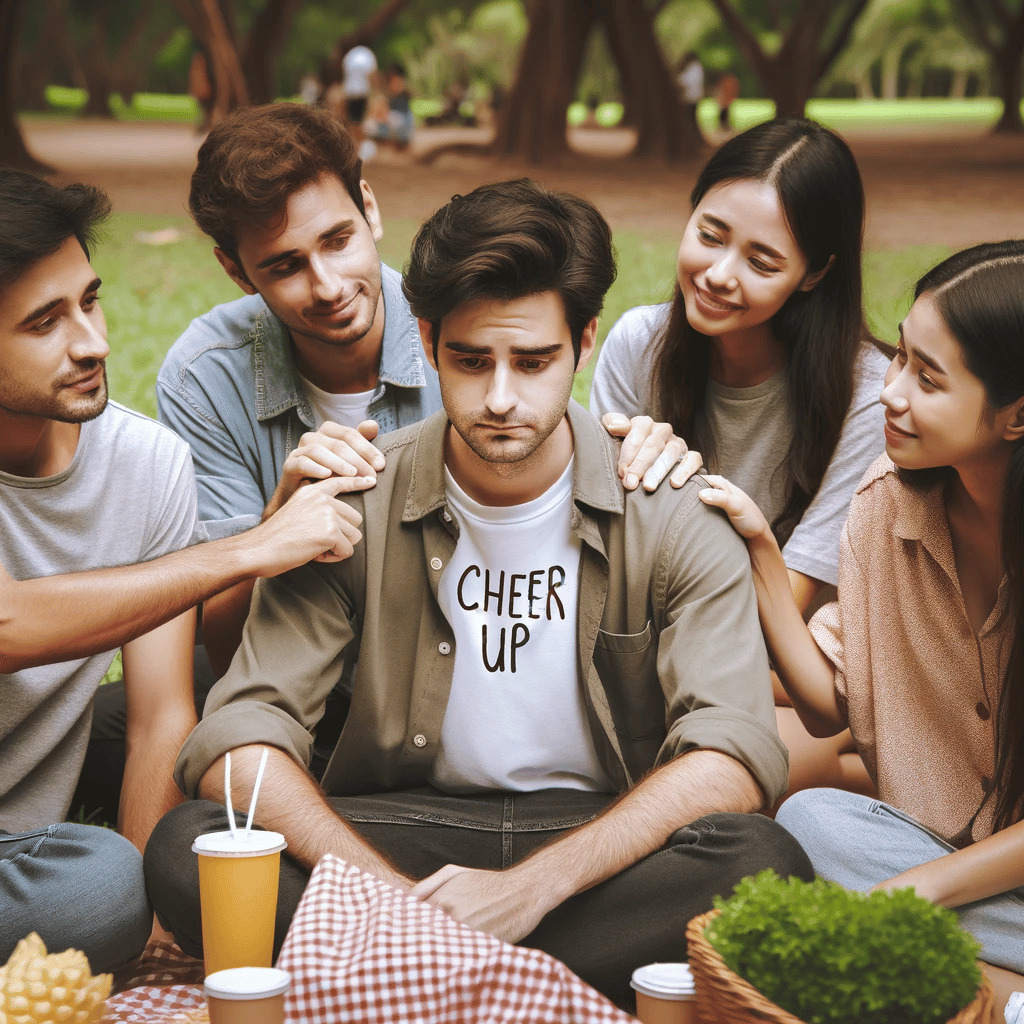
x=290, y=659
x=712, y=662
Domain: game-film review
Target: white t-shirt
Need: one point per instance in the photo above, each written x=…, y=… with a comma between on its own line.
x=348, y=410
x=358, y=64
x=516, y=718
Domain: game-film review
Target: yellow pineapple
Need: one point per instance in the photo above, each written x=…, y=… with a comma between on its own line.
x=36, y=988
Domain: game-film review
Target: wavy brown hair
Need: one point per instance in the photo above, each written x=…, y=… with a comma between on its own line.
x=256, y=157
x=819, y=187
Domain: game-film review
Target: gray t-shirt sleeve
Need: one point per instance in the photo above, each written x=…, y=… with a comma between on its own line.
x=622, y=379
x=813, y=547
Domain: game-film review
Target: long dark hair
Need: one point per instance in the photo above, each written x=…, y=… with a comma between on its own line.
x=820, y=190
x=979, y=293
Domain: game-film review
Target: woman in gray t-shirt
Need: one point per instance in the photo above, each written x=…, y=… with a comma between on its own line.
x=762, y=360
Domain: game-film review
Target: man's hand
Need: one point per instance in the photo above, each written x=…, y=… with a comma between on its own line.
x=312, y=524
x=498, y=902
x=333, y=450
x=649, y=451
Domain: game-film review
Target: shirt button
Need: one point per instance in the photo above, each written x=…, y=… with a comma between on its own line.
x=444, y=647
x=446, y=516
x=435, y=564
x=983, y=711
x=419, y=740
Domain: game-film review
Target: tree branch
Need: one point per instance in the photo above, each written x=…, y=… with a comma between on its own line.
x=842, y=36
x=746, y=39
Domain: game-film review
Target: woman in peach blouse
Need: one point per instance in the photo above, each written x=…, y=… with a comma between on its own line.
x=922, y=656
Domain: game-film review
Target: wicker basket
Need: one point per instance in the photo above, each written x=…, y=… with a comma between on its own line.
x=725, y=998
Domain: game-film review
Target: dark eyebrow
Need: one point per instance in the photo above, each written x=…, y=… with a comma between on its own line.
x=757, y=246
x=334, y=229
x=923, y=356
x=464, y=348
x=46, y=307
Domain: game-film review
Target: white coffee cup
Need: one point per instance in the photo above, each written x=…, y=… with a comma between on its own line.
x=665, y=994
x=247, y=995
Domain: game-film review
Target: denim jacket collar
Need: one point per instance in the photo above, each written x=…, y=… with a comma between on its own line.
x=278, y=387
x=595, y=477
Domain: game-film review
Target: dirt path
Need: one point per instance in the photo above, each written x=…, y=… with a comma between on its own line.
x=923, y=187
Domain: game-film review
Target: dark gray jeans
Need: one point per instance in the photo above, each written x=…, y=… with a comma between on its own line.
x=636, y=917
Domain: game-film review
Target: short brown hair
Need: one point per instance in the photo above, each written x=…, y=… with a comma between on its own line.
x=506, y=241
x=256, y=157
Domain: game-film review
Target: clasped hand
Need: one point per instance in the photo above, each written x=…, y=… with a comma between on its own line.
x=496, y=902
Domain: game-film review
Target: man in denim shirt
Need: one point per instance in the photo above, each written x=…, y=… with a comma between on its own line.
x=268, y=389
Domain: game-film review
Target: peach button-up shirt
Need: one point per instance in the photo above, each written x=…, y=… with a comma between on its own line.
x=918, y=684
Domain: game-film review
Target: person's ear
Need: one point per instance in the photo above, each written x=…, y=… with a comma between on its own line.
x=811, y=280
x=234, y=270
x=1014, y=429
x=587, y=344
x=427, y=340
x=372, y=211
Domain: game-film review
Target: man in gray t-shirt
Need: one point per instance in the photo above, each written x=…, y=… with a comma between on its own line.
x=87, y=490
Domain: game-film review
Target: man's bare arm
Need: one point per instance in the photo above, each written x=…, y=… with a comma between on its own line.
x=511, y=903
x=56, y=618
x=161, y=714
x=291, y=803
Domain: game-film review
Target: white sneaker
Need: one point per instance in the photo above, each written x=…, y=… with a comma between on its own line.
x=1014, y=1012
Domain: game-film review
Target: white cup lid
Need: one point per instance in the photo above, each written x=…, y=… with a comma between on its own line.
x=224, y=844
x=247, y=983
x=664, y=981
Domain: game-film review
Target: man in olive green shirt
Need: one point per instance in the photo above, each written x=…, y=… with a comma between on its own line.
x=562, y=715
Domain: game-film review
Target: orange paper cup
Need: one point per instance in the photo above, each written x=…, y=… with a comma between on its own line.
x=238, y=878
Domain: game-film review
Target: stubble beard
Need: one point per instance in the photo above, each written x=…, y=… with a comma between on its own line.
x=55, y=406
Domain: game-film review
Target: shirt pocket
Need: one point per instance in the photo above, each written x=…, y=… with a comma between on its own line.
x=627, y=666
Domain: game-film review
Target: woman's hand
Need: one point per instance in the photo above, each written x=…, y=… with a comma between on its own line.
x=747, y=519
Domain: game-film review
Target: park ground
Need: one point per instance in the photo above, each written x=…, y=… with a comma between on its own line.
x=924, y=186
x=930, y=189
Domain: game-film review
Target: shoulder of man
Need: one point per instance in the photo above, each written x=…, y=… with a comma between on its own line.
x=230, y=326
x=136, y=437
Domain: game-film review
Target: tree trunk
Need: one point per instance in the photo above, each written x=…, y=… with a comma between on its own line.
x=532, y=122
x=891, y=58
x=1008, y=69
x=790, y=76
x=35, y=70
x=958, y=84
x=665, y=131
x=13, y=151
x=266, y=37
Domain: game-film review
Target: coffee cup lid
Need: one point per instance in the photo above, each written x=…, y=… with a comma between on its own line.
x=224, y=844
x=664, y=981
x=247, y=983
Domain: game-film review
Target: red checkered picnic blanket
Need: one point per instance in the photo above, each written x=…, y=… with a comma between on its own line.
x=359, y=950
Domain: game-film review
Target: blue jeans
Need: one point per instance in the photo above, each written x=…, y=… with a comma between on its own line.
x=857, y=842
x=79, y=887
x=634, y=918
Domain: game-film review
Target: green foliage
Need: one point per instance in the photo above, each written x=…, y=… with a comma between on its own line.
x=825, y=954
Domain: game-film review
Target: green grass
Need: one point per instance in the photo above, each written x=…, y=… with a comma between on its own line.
x=150, y=293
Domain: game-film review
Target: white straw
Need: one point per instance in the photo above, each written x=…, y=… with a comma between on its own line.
x=227, y=795
x=256, y=791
